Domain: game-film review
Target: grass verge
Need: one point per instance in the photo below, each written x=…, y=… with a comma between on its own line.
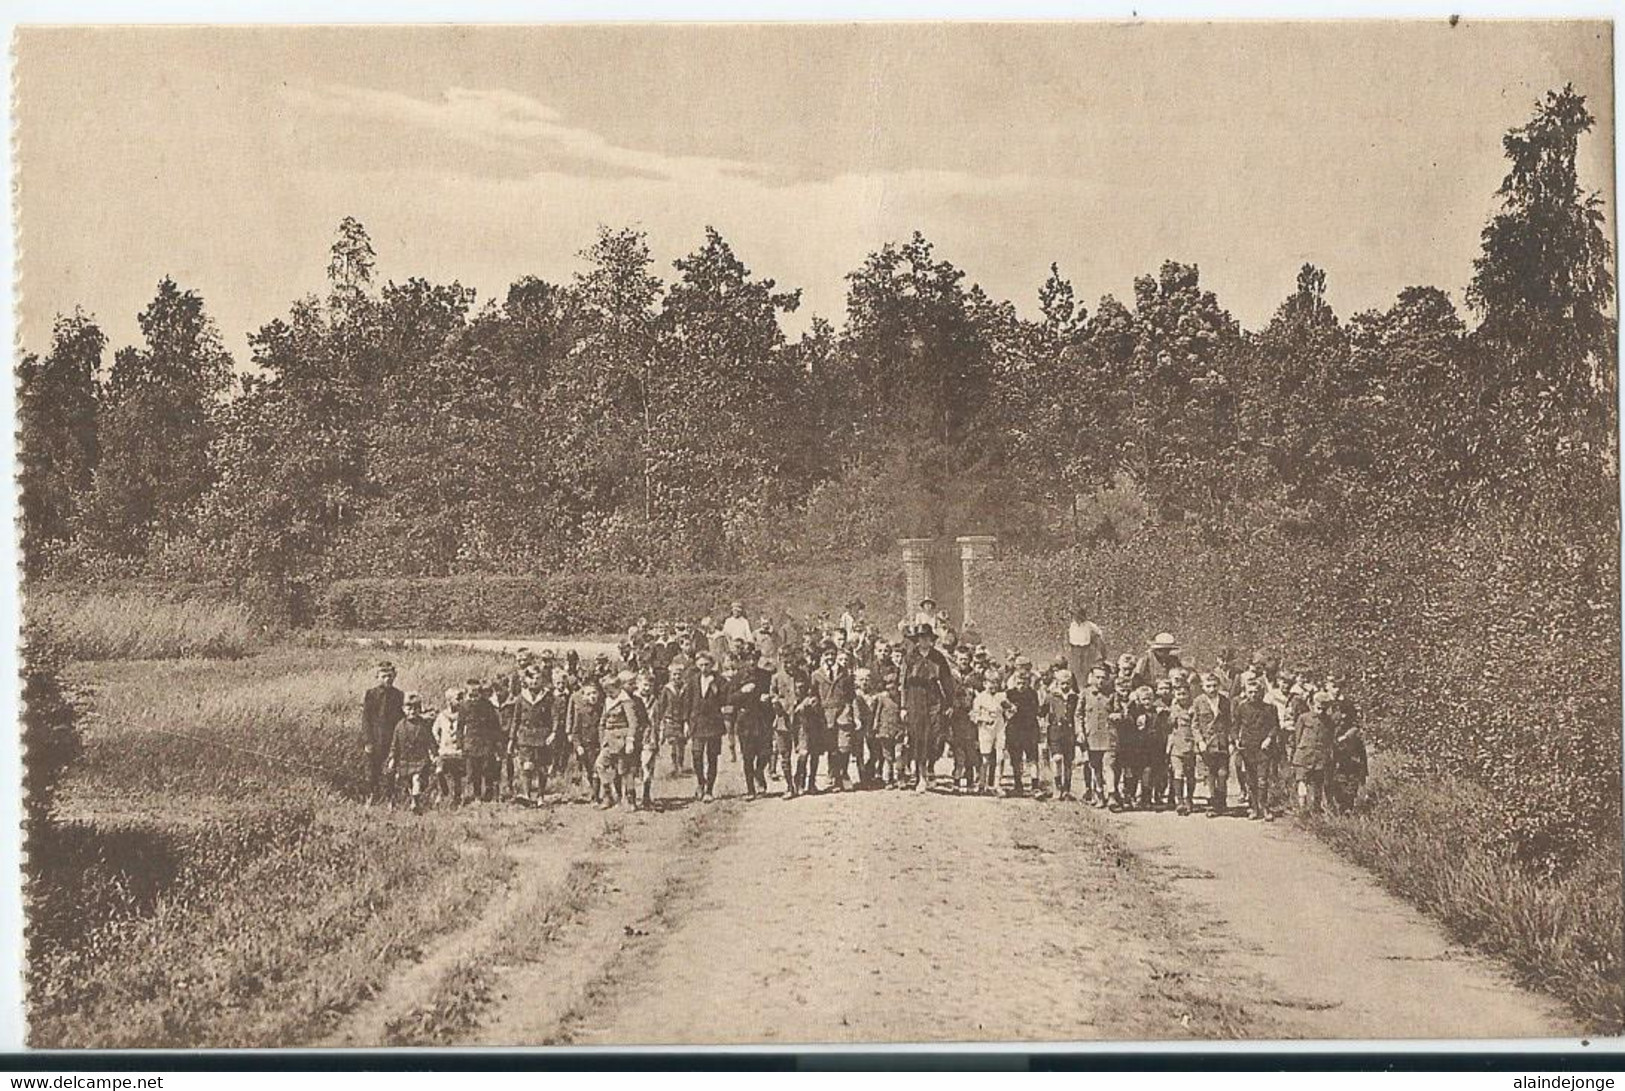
x=274, y=954
x=1430, y=842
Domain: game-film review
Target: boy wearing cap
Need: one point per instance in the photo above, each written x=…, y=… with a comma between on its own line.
x=412, y=750
x=381, y=710
x=705, y=708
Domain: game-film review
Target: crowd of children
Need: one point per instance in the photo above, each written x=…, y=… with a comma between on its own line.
x=832, y=705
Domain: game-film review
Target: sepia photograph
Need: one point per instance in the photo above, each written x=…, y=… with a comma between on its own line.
x=808, y=534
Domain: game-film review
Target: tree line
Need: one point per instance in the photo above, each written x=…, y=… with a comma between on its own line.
x=630, y=421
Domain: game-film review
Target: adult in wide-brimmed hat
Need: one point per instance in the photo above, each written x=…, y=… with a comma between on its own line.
x=1161, y=656
x=927, y=691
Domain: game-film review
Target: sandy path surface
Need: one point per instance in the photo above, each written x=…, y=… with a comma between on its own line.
x=888, y=916
x=898, y=917
x=1354, y=961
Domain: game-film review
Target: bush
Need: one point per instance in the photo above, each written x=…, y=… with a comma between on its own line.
x=567, y=604
x=141, y=625
x=1490, y=653
x=51, y=739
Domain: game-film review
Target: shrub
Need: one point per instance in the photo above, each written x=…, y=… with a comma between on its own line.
x=584, y=603
x=139, y=625
x=50, y=725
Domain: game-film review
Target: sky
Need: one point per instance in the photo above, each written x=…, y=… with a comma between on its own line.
x=226, y=157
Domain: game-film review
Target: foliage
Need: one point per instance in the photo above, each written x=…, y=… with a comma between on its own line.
x=1544, y=283
x=51, y=738
x=57, y=454
x=155, y=424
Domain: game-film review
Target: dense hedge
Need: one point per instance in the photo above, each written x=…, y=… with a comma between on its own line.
x=1491, y=652
x=604, y=603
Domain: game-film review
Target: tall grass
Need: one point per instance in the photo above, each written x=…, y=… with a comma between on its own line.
x=133, y=625
x=283, y=723
x=1428, y=839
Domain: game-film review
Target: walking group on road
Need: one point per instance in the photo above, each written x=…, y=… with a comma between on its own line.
x=832, y=706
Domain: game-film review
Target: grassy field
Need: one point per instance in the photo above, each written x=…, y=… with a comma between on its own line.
x=212, y=881
x=281, y=724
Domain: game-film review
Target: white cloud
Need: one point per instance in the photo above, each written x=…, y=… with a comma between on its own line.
x=505, y=121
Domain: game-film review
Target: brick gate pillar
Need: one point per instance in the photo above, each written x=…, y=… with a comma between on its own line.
x=916, y=573
x=976, y=552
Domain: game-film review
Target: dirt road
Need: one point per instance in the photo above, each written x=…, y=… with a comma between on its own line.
x=892, y=916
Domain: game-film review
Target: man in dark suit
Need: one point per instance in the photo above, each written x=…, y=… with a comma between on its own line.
x=706, y=704
x=381, y=710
